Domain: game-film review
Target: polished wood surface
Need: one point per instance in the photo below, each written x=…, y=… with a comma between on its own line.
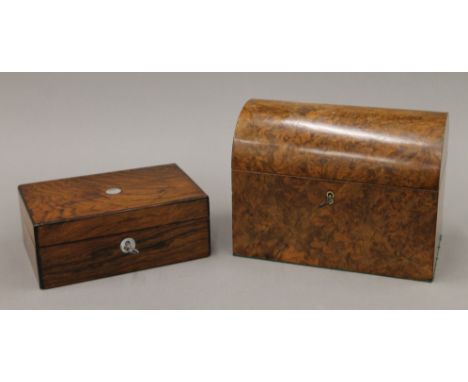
x=383, y=166
x=368, y=145
x=26, y=222
x=368, y=228
x=107, y=224
x=101, y=257
x=72, y=228
x=85, y=196
x=29, y=238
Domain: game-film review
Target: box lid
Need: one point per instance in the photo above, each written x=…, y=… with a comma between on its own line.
x=401, y=148
x=96, y=205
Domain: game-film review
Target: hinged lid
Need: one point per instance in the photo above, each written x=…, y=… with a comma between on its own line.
x=400, y=148
x=98, y=205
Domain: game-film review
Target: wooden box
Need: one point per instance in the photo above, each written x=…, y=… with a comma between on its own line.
x=95, y=226
x=341, y=187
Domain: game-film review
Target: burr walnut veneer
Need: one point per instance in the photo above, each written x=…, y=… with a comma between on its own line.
x=341, y=187
x=88, y=227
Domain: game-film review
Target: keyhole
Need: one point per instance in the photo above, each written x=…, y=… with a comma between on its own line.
x=128, y=245
x=329, y=199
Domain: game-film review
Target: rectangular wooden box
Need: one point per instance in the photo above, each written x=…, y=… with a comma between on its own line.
x=342, y=187
x=77, y=229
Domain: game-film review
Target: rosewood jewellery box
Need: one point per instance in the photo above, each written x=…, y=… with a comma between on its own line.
x=95, y=226
x=351, y=188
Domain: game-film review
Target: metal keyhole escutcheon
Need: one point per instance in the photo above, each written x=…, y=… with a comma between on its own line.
x=128, y=246
x=329, y=199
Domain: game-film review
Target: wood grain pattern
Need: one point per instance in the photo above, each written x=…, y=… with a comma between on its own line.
x=26, y=222
x=108, y=224
x=369, y=228
x=368, y=145
x=85, y=196
x=383, y=165
x=28, y=240
x=96, y=258
x=73, y=229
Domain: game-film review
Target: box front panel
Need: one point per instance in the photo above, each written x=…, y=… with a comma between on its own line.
x=109, y=224
x=363, y=228
x=106, y=256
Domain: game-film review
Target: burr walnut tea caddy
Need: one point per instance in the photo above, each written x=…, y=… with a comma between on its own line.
x=341, y=187
x=89, y=227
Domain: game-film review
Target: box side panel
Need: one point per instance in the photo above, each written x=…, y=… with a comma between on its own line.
x=440, y=204
x=31, y=251
x=26, y=220
x=29, y=238
x=110, y=224
x=102, y=257
x=368, y=228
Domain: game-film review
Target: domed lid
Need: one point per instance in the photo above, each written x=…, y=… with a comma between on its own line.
x=400, y=148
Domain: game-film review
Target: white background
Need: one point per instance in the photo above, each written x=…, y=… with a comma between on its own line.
x=242, y=35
